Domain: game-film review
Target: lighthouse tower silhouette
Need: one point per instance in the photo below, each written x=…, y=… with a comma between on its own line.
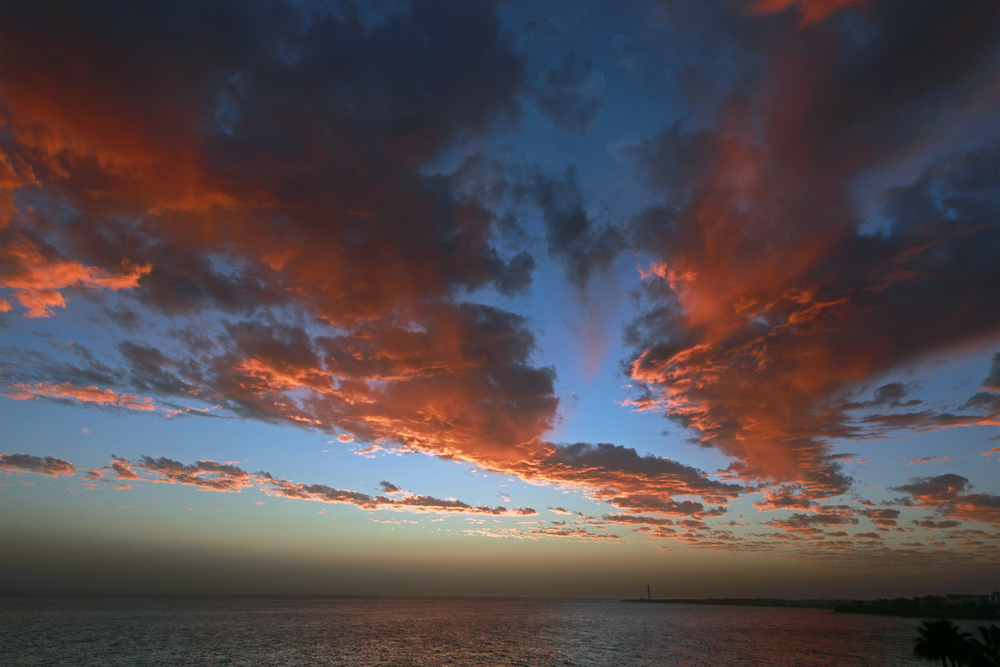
x=649, y=596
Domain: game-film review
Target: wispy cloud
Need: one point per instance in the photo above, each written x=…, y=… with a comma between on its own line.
x=91, y=394
x=229, y=478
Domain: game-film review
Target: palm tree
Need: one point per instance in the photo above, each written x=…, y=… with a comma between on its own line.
x=984, y=650
x=940, y=640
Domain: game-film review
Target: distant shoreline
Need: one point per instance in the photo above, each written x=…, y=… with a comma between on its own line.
x=928, y=607
x=743, y=602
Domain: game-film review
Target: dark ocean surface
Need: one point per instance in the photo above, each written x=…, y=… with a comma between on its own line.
x=252, y=631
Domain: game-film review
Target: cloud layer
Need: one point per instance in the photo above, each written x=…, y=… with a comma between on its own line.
x=276, y=210
x=819, y=532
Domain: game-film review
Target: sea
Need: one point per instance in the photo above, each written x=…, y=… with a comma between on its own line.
x=402, y=632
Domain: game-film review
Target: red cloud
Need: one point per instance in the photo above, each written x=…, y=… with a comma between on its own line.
x=811, y=11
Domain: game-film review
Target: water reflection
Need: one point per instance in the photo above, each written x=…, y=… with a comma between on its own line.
x=431, y=632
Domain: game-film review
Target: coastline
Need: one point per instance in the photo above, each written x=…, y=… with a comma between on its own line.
x=925, y=607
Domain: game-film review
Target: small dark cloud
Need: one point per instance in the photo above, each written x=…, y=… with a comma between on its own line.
x=992, y=381
x=940, y=488
x=892, y=394
x=811, y=522
x=883, y=517
x=930, y=523
x=637, y=519
x=652, y=503
x=49, y=466
x=389, y=487
x=582, y=244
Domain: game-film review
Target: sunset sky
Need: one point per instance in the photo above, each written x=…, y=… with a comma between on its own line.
x=518, y=298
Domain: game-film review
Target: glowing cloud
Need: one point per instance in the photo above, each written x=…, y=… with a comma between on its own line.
x=67, y=391
x=37, y=279
x=768, y=302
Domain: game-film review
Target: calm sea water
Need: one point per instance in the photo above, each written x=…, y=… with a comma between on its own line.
x=438, y=631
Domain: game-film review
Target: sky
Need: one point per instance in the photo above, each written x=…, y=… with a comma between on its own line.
x=512, y=298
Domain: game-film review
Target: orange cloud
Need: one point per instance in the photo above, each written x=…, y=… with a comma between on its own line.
x=37, y=278
x=975, y=507
x=91, y=394
x=788, y=496
x=450, y=380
